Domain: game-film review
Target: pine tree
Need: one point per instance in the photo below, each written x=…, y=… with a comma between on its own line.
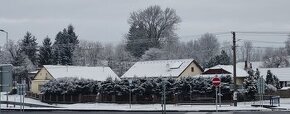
x=137, y=41
x=276, y=82
x=64, y=46
x=250, y=84
x=28, y=46
x=269, y=78
x=222, y=59
x=45, y=52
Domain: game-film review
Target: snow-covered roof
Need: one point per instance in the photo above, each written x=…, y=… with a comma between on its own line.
x=1, y=65
x=229, y=68
x=95, y=73
x=158, y=68
x=282, y=73
x=33, y=72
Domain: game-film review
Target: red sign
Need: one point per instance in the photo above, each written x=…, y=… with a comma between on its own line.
x=216, y=81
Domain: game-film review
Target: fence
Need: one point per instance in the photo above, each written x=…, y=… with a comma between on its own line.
x=135, y=99
x=284, y=93
x=139, y=99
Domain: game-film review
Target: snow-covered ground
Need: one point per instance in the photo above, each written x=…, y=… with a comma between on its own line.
x=285, y=103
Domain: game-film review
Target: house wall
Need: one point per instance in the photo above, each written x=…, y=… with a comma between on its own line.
x=41, y=78
x=240, y=80
x=187, y=72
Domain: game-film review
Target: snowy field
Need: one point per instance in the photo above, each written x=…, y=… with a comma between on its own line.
x=285, y=103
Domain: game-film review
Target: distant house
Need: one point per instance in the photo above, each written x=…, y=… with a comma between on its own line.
x=283, y=75
x=224, y=70
x=50, y=72
x=164, y=68
x=5, y=77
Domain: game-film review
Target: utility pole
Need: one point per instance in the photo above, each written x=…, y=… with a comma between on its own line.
x=234, y=69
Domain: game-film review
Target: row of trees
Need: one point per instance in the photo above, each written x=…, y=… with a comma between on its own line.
x=139, y=86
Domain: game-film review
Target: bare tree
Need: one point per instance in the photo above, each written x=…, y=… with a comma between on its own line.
x=248, y=47
x=257, y=55
x=122, y=60
x=89, y=54
x=287, y=45
x=275, y=58
x=150, y=25
x=206, y=47
x=5, y=57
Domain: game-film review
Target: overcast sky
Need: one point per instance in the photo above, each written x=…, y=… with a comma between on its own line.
x=106, y=20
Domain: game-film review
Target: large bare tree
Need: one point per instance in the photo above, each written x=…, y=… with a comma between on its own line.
x=246, y=51
x=148, y=27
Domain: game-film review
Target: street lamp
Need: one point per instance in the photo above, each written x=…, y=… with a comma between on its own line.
x=6, y=36
x=130, y=92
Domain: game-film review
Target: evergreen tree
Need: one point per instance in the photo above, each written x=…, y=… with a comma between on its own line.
x=269, y=78
x=28, y=46
x=64, y=46
x=276, y=81
x=272, y=79
x=137, y=41
x=250, y=84
x=45, y=52
x=222, y=59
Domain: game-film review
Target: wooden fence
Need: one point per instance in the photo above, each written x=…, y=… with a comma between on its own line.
x=135, y=99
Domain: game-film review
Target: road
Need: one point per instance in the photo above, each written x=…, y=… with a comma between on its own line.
x=108, y=112
x=88, y=112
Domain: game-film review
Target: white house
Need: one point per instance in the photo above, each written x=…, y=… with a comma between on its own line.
x=164, y=68
x=49, y=72
x=283, y=75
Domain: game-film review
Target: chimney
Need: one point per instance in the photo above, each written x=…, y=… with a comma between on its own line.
x=168, y=67
x=246, y=65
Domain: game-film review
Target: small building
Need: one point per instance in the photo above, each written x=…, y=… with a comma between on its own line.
x=283, y=74
x=224, y=70
x=164, y=68
x=6, y=78
x=50, y=72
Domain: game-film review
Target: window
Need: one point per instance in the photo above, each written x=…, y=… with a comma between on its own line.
x=192, y=69
x=39, y=87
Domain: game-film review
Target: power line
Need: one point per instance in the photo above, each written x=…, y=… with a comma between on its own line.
x=259, y=41
x=200, y=35
x=261, y=32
